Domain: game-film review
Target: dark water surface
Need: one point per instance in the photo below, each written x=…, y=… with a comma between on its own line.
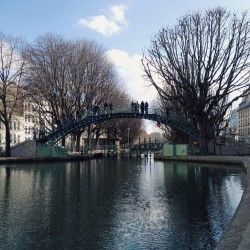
x=116, y=204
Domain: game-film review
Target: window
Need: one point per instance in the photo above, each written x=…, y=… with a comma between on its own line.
x=14, y=124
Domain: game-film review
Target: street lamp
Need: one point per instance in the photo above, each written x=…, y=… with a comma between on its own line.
x=128, y=137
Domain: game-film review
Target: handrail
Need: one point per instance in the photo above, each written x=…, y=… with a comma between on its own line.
x=126, y=109
x=169, y=118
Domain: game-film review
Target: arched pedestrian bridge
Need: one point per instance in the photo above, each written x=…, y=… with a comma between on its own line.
x=171, y=119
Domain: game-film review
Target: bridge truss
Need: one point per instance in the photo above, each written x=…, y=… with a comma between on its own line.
x=170, y=118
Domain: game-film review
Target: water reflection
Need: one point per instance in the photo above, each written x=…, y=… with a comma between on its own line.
x=116, y=204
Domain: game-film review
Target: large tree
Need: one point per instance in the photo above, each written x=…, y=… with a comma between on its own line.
x=69, y=75
x=12, y=82
x=202, y=63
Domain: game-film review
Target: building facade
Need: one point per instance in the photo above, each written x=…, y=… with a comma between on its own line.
x=244, y=120
x=21, y=126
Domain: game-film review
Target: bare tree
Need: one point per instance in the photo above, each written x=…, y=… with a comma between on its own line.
x=100, y=82
x=70, y=75
x=48, y=73
x=172, y=135
x=118, y=129
x=12, y=82
x=204, y=61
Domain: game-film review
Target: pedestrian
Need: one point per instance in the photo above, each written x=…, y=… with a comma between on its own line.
x=97, y=109
x=132, y=107
x=105, y=107
x=137, y=105
x=146, y=107
x=83, y=112
x=142, y=107
x=77, y=115
x=111, y=107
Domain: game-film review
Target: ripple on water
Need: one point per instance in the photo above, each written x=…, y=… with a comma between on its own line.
x=111, y=204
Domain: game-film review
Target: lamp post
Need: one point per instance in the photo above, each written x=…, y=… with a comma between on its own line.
x=128, y=137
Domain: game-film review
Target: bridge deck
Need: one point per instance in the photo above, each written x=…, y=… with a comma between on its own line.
x=170, y=119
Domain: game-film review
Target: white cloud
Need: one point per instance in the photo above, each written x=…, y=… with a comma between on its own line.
x=118, y=13
x=130, y=70
x=112, y=22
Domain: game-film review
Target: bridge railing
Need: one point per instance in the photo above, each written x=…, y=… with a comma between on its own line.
x=118, y=109
x=162, y=115
x=177, y=118
x=115, y=110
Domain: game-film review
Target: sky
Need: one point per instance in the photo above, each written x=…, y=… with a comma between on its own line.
x=124, y=27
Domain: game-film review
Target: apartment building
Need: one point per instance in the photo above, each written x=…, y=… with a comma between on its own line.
x=244, y=119
x=21, y=126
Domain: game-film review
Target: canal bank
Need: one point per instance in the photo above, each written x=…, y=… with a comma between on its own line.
x=237, y=235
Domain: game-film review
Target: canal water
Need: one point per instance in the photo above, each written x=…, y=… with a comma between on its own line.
x=117, y=204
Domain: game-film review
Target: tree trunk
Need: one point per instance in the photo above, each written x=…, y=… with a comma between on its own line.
x=89, y=136
x=7, y=142
x=78, y=141
x=203, y=142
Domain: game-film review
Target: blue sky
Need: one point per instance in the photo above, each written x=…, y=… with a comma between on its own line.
x=124, y=27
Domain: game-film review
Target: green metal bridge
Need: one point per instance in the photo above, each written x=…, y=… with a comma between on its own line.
x=170, y=118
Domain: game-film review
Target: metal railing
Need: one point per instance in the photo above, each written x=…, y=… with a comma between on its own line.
x=170, y=118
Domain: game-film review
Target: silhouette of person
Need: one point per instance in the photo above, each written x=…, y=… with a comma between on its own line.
x=146, y=107
x=142, y=107
x=111, y=107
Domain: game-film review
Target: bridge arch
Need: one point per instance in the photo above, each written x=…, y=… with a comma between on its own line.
x=171, y=119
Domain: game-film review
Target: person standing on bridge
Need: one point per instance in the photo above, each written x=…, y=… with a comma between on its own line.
x=142, y=107
x=77, y=115
x=146, y=107
x=137, y=106
x=83, y=112
x=105, y=107
x=132, y=107
x=111, y=107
